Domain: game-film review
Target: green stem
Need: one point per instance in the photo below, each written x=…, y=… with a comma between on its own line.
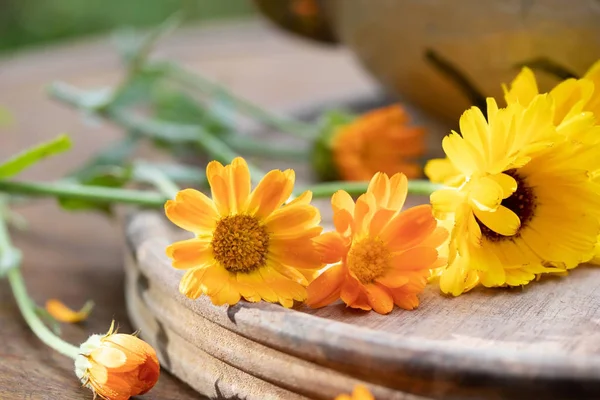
x=189, y=79
x=82, y=192
x=27, y=308
x=24, y=302
x=159, y=179
x=155, y=129
x=417, y=187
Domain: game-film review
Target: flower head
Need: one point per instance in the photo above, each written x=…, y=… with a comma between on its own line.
x=380, y=140
x=116, y=366
x=382, y=255
x=247, y=243
x=519, y=196
x=360, y=392
x=571, y=96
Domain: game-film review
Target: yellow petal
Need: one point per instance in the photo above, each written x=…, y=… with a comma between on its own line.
x=190, y=253
x=60, y=312
x=272, y=191
x=193, y=211
x=522, y=89
x=502, y=221
x=486, y=194
x=379, y=186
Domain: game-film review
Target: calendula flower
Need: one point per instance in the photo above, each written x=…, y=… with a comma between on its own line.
x=60, y=312
x=116, y=366
x=247, y=244
x=571, y=96
x=360, y=392
x=382, y=254
x=379, y=141
x=519, y=195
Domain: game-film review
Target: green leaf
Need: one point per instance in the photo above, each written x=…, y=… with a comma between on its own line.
x=32, y=156
x=104, y=176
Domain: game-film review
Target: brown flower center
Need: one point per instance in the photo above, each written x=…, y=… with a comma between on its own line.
x=240, y=243
x=522, y=202
x=368, y=259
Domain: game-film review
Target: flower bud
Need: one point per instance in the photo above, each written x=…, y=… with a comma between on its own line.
x=117, y=366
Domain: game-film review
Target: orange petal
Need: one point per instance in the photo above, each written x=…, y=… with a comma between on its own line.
x=393, y=279
x=290, y=218
x=409, y=228
x=238, y=176
x=304, y=198
x=398, y=191
x=109, y=357
x=379, y=298
x=437, y=238
x=361, y=392
x=60, y=312
x=190, y=253
x=343, y=211
x=350, y=290
x=326, y=288
x=272, y=191
x=363, y=213
x=220, y=190
x=404, y=299
x=379, y=187
x=296, y=253
x=415, y=258
x=192, y=211
x=331, y=246
x=247, y=284
x=380, y=220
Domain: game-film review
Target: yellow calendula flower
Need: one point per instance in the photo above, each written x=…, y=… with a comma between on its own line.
x=116, y=366
x=247, y=243
x=519, y=195
x=571, y=96
x=382, y=255
x=360, y=392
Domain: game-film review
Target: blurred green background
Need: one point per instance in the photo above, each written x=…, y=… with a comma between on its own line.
x=34, y=22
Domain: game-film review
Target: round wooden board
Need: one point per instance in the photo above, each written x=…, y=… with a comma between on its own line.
x=537, y=342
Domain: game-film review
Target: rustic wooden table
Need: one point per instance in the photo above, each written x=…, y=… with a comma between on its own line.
x=76, y=257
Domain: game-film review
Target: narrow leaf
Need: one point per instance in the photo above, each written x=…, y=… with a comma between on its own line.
x=32, y=156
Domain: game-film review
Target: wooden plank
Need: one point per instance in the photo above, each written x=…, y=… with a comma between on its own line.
x=490, y=343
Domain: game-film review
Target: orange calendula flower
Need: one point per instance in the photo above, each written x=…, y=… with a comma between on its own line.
x=60, y=312
x=383, y=255
x=247, y=244
x=360, y=392
x=378, y=141
x=116, y=366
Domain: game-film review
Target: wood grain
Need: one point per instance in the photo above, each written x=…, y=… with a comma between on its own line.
x=76, y=257
x=541, y=342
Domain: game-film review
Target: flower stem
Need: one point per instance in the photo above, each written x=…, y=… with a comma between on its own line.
x=211, y=88
x=420, y=187
x=153, y=129
x=83, y=192
x=26, y=305
x=27, y=308
x=159, y=179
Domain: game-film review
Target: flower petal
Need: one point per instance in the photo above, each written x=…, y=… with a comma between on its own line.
x=192, y=211
x=295, y=217
x=60, y=312
x=325, y=289
x=332, y=247
x=393, y=279
x=190, y=253
x=409, y=228
x=379, y=187
x=398, y=191
x=239, y=184
x=191, y=283
x=379, y=298
x=272, y=191
x=343, y=211
x=502, y=221
x=415, y=258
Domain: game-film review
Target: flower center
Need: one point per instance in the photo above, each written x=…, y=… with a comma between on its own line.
x=240, y=243
x=522, y=202
x=368, y=259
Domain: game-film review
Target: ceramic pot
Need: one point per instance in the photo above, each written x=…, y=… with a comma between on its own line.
x=445, y=55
